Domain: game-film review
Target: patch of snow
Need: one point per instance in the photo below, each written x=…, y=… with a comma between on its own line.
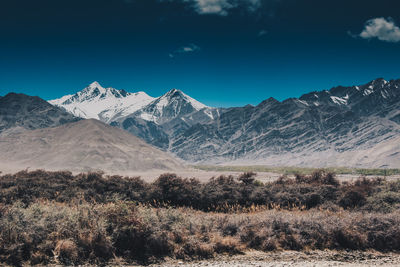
x=338, y=100
x=384, y=94
x=303, y=102
x=208, y=112
x=368, y=91
x=147, y=117
x=59, y=101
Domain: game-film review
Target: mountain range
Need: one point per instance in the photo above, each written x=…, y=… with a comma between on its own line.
x=155, y=120
x=355, y=126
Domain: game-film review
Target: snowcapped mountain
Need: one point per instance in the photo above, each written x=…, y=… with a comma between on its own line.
x=152, y=119
x=105, y=104
x=169, y=106
x=165, y=117
x=109, y=104
x=356, y=126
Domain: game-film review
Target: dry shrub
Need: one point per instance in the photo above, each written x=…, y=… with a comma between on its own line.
x=66, y=252
x=39, y=257
x=349, y=238
x=269, y=244
x=247, y=178
x=290, y=241
x=144, y=234
x=194, y=248
x=222, y=194
x=352, y=198
x=92, y=218
x=385, y=201
x=95, y=246
x=227, y=244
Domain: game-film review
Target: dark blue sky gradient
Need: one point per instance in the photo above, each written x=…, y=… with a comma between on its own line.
x=52, y=48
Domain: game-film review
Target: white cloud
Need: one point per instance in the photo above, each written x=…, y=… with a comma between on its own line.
x=222, y=7
x=262, y=33
x=184, y=50
x=219, y=7
x=381, y=28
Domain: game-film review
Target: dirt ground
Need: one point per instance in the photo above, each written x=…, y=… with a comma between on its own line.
x=294, y=258
x=283, y=259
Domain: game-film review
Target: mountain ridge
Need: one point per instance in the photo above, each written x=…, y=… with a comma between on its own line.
x=20, y=112
x=338, y=121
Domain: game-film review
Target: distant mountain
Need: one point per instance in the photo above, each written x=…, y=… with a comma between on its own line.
x=345, y=126
x=105, y=104
x=378, y=97
x=20, y=112
x=173, y=104
x=153, y=119
x=87, y=145
x=356, y=126
x=165, y=117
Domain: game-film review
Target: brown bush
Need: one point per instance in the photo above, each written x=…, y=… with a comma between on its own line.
x=66, y=252
x=92, y=218
x=227, y=244
x=223, y=193
x=352, y=198
x=247, y=177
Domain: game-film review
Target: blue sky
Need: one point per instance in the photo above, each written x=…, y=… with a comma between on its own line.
x=221, y=52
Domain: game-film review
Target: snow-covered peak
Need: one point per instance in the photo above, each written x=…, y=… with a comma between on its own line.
x=175, y=93
x=108, y=104
x=93, y=89
x=172, y=104
x=95, y=84
x=97, y=102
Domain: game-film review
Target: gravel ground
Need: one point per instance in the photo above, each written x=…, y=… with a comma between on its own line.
x=292, y=258
x=283, y=259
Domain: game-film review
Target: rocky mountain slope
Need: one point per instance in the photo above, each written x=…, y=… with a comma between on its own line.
x=345, y=126
x=85, y=145
x=19, y=112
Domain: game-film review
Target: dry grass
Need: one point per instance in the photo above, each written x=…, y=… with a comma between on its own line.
x=224, y=193
x=55, y=217
x=99, y=233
